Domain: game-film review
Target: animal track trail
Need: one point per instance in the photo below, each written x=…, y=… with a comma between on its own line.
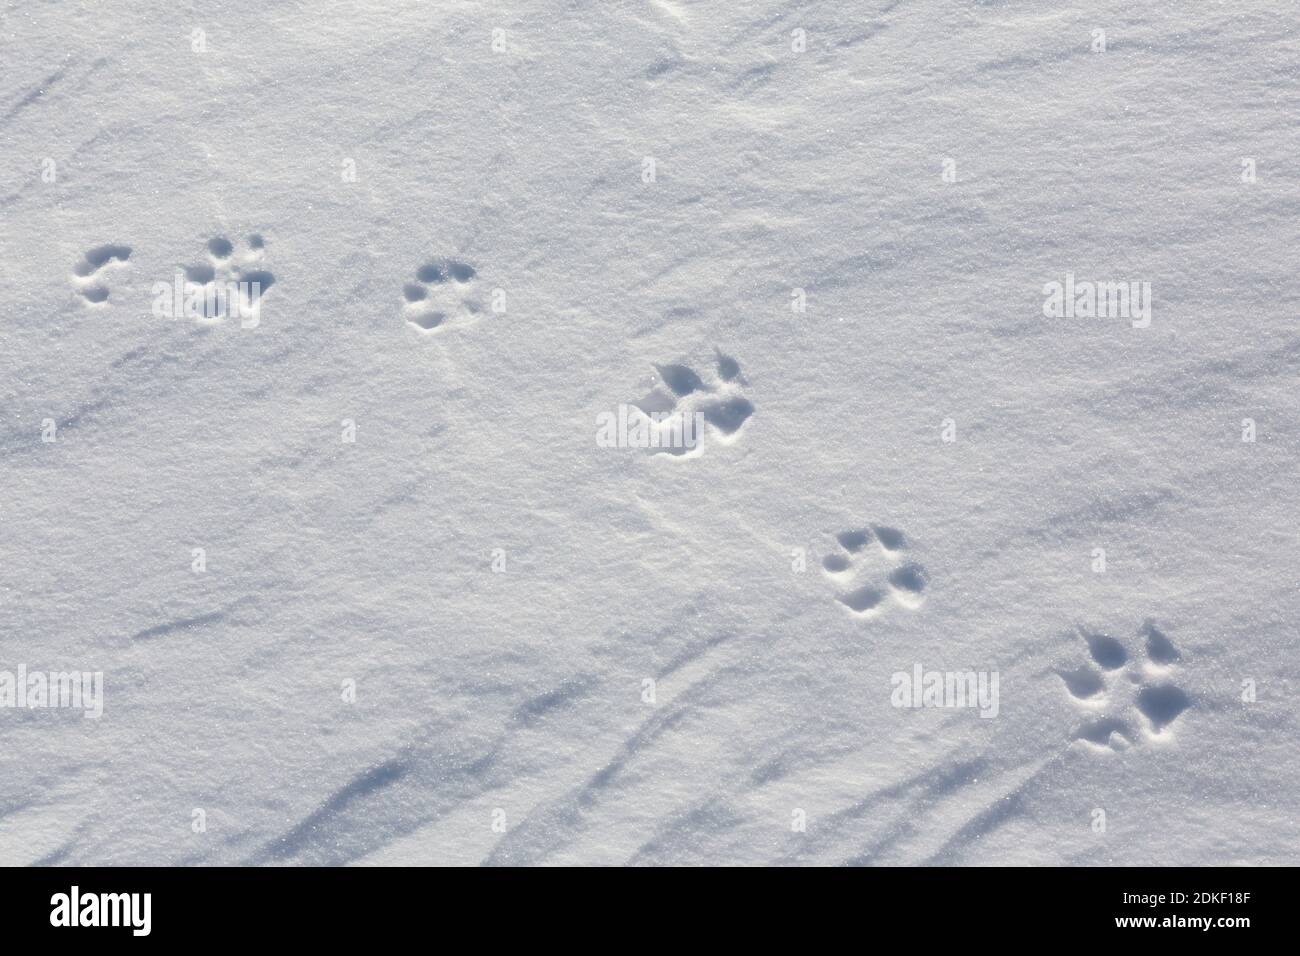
x=229, y=284
x=866, y=585
x=87, y=273
x=442, y=295
x=681, y=403
x=1124, y=706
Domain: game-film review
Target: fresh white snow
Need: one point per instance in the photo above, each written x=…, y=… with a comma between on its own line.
x=430, y=600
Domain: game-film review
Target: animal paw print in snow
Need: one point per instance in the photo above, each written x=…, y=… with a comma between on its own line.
x=442, y=293
x=87, y=272
x=1126, y=704
x=905, y=582
x=229, y=285
x=681, y=406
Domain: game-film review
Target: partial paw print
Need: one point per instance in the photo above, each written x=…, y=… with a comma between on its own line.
x=442, y=294
x=89, y=272
x=681, y=407
x=229, y=284
x=1126, y=704
x=900, y=580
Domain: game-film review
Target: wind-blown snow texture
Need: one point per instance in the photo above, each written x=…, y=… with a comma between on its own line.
x=385, y=168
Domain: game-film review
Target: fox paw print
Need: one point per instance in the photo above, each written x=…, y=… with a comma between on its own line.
x=442, y=294
x=89, y=272
x=1125, y=704
x=866, y=588
x=681, y=407
x=227, y=284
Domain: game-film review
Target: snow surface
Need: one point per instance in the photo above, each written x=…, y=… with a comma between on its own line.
x=500, y=717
